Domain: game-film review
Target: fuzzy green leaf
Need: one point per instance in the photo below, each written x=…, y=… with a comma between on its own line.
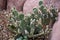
x=21, y=16
x=40, y=3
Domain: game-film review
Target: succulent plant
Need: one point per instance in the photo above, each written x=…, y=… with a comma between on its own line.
x=36, y=23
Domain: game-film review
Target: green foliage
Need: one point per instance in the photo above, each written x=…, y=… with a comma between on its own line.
x=21, y=16
x=21, y=37
x=40, y=3
x=14, y=12
x=35, y=10
x=34, y=24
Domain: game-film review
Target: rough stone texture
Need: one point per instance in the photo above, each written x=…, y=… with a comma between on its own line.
x=56, y=3
x=47, y=3
x=2, y=4
x=18, y=4
x=29, y=5
x=4, y=32
x=56, y=29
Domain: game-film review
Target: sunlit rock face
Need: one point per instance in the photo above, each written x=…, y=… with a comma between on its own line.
x=18, y=4
x=2, y=4
x=29, y=5
x=56, y=29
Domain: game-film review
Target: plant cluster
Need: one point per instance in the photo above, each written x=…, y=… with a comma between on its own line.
x=38, y=22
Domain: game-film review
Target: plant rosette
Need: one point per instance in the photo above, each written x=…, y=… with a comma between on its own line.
x=39, y=22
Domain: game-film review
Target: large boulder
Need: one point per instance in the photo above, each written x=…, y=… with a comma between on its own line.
x=18, y=4
x=29, y=5
x=56, y=29
x=3, y=4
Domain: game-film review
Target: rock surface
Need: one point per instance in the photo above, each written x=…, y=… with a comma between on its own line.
x=56, y=29
x=2, y=4
x=18, y=4
x=4, y=31
x=47, y=3
x=29, y=5
x=56, y=3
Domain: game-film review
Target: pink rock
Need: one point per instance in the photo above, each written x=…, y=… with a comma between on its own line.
x=47, y=3
x=18, y=4
x=56, y=3
x=3, y=4
x=56, y=29
x=29, y=5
